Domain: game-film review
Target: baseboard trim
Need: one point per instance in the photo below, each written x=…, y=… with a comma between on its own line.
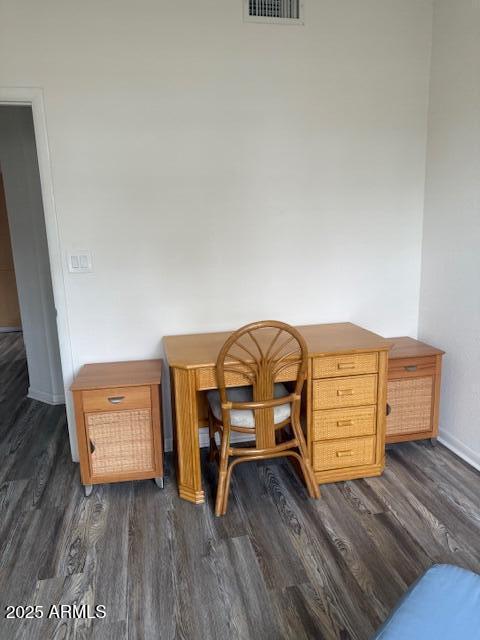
x=461, y=450
x=48, y=398
x=204, y=439
x=10, y=329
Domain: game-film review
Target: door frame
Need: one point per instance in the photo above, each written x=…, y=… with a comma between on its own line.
x=33, y=97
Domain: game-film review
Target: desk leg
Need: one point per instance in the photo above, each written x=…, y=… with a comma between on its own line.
x=188, y=447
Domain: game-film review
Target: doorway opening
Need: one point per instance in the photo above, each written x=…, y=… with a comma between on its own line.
x=29, y=344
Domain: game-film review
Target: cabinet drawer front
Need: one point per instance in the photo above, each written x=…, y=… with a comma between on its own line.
x=411, y=367
x=331, y=424
x=338, y=454
x=411, y=405
x=120, y=442
x=116, y=399
x=344, y=392
x=348, y=365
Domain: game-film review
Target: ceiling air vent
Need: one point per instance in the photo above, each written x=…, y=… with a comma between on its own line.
x=274, y=11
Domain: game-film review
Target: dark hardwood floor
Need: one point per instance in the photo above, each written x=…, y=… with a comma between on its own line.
x=278, y=565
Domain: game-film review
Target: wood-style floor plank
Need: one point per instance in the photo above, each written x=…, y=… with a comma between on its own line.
x=278, y=566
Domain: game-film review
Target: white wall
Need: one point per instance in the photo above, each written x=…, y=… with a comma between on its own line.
x=211, y=165
x=450, y=298
x=18, y=158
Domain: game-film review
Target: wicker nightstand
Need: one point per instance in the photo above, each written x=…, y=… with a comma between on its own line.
x=413, y=395
x=119, y=427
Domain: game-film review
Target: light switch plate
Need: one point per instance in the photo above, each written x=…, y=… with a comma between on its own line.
x=80, y=262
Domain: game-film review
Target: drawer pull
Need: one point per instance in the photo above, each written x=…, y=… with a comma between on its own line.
x=345, y=365
x=411, y=367
x=344, y=454
x=116, y=399
x=344, y=423
x=344, y=392
x=92, y=445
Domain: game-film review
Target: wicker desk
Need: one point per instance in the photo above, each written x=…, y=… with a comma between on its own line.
x=345, y=400
x=117, y=410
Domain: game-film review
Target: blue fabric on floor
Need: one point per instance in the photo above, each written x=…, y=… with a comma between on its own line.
x=444, y=604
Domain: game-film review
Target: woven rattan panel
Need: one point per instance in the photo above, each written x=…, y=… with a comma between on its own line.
x=410, y=400
x=349, y=365
x=207, y=377
x=354, y=391
x=122, y=441
x=343, y=423
x=350, y=452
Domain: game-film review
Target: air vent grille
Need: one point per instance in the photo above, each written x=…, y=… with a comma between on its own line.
x=283, y=11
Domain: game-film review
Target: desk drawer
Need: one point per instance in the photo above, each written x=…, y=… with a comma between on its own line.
x=347, y=365
x=334, y=393
x=338, y=454
x=331, y=424
x=116, y=399
x=206, y=377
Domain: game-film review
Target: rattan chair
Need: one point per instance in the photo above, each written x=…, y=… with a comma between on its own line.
x=257, y=355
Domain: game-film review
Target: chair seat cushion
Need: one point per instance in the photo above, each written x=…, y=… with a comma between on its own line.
x=444, y=604
x=246, y=417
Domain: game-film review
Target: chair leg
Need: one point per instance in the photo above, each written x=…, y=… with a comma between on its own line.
x=312, y=486
x=219, y=502
x=308, y=474
x=226, y=492
x=222, y=475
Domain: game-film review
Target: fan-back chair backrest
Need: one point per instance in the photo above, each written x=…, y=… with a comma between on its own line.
x=261, y=354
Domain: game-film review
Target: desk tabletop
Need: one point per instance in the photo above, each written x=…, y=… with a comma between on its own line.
x=201, y=349
x=103, y=375
x=405, y=347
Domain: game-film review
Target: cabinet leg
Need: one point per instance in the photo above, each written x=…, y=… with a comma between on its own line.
x=159, y=482
x=433, y=442
x=88, y=489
